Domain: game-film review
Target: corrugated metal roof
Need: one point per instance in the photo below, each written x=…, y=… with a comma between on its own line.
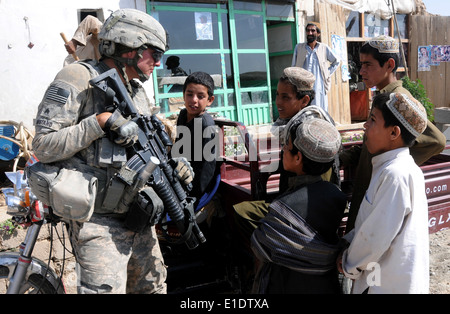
x=381, y=8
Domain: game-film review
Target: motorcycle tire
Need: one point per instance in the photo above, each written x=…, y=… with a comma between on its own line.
x=39, y=280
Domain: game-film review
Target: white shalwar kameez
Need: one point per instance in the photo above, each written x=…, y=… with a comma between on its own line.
x=389, y=250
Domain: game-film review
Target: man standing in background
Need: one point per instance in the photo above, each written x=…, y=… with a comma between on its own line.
x=314, y=57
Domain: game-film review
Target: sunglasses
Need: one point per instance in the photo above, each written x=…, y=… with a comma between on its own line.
x=157, y=54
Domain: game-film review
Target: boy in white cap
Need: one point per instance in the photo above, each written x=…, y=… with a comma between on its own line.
x=388, y=250
x=379, y=58
x=295, y=91
x=296, y=243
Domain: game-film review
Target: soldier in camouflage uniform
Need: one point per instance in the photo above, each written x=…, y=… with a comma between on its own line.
x=72, y=124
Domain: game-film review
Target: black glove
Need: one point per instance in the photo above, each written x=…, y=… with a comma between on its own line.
x=125, y=131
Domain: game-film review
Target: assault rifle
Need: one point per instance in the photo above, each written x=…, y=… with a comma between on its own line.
x=149, y=159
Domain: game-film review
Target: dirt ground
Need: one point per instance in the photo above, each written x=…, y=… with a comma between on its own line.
x=439, y=259
x=440, y=262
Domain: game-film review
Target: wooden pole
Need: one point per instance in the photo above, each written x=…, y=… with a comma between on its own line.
x=400, y=40
x=66, y=41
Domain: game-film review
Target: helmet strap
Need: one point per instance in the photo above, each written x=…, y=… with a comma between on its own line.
x=122, y=69
x=132, y=62
x=142, y=77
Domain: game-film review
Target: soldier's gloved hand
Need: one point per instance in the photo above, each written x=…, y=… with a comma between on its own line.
x=183, y=170
x=126, y=131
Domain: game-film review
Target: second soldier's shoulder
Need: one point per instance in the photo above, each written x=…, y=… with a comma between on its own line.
x=75, y=74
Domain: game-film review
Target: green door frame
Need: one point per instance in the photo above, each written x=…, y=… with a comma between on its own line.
x=274, y=80
x=249, y=114
x=224, y=107
x=254, y=113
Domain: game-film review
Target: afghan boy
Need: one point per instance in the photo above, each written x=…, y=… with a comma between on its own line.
x=379, y=58
x=295, y=91
x=388, y=250
x=296, y=242
x=196, y=132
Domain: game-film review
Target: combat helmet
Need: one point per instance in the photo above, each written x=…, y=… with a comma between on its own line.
x=130, y=29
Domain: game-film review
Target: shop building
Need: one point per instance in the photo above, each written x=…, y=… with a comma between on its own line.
x=244, y=45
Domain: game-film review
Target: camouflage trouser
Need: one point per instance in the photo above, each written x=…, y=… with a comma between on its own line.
x=112, y=259
x=248, y=216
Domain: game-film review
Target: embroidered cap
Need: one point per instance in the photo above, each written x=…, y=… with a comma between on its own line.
x=384, y=44
x=409, y=112
x=317, y=139
x=302, y=79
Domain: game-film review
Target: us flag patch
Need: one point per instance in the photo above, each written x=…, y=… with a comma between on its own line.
x=57, y=94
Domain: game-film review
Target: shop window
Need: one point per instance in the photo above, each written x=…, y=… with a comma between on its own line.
x=254, y=97
x=253, y=36
x=169, y=3
x=199, y=31
x=247, y=6
x=231, y=99
x=374, y=26
x=231, y=48
x=362, y=26
x=405, y=50
x=276, y=9
x=253, y=71
x=98, y=13
x=218, y=101
x=402, y=25
x=352, y=24
x=189, y=63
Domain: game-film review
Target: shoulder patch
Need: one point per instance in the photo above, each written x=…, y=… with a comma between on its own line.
x=57, y=94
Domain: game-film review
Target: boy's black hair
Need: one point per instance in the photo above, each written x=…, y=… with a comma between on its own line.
x=300, y=94
x=200, y=78
x=310, y=167
x=379, y=102
x=382, y=58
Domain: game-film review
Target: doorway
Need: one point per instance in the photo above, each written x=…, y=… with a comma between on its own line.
x=235, y=42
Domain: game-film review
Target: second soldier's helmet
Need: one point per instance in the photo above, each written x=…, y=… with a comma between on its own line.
x=132, y=29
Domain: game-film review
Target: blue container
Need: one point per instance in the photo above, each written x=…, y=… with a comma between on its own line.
x=8, y=149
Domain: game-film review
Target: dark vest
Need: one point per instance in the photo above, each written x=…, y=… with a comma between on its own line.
x=322, y=205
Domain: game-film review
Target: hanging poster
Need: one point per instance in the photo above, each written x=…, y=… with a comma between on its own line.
x=203, y=26
x=339, y=47
x=424, y=58
x=436, y=56
x=439, y=53
x=445, y=53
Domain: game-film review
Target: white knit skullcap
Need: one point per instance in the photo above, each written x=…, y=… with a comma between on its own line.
x=384, y=44
x=317, y=139
x=410, y=112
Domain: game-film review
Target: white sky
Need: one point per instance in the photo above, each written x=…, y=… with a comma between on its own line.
x=441, y=7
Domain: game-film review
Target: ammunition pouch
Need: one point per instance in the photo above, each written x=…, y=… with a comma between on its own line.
x=72, y=195
x=146, y=210
x=70, y=192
